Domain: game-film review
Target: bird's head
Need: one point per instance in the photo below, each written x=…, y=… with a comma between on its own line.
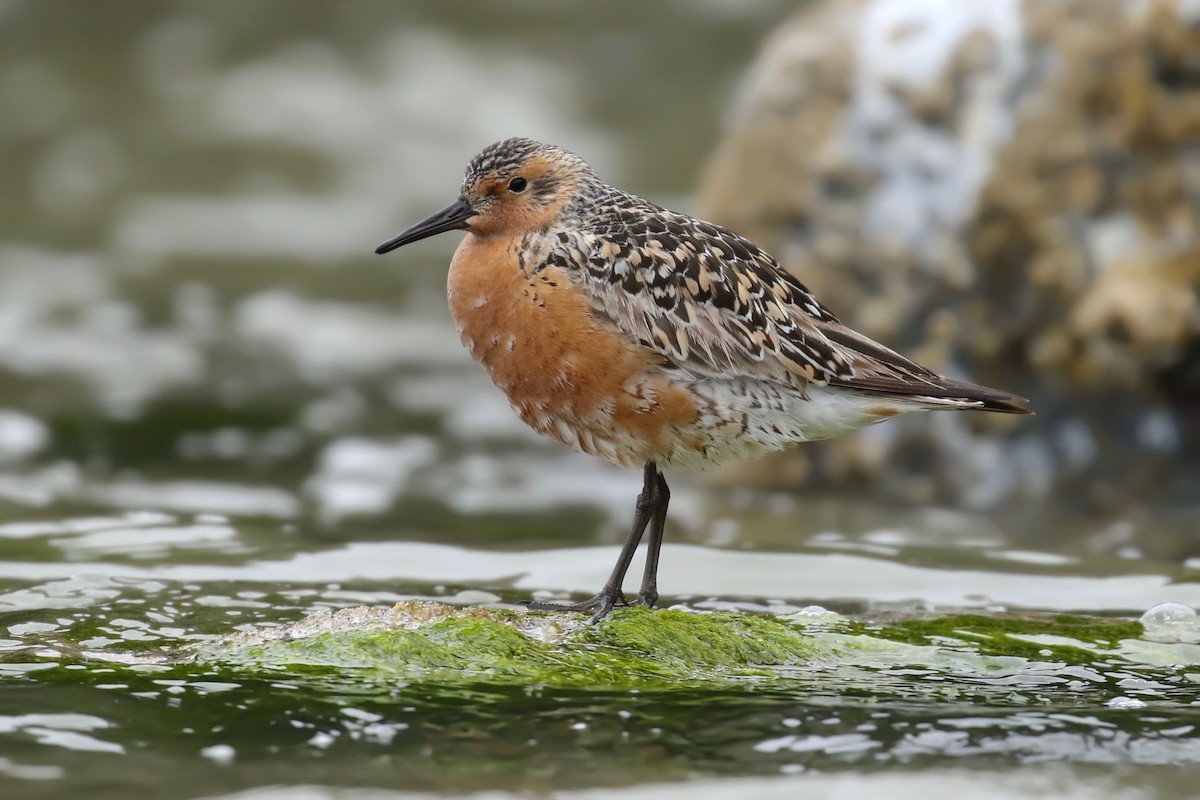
x=515, y=186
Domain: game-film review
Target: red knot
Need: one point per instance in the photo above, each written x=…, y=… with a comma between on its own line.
x=653, y=339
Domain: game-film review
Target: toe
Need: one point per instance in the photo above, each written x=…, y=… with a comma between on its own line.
x=647, y=600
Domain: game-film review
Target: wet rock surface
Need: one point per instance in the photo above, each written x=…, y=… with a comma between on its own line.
x=1006, y=191
x=686, y=647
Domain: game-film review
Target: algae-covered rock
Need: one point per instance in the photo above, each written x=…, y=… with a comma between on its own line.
x=1003, y=190
x=984, y=658
x=428, y=641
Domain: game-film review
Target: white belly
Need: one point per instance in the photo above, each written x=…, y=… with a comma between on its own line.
x=747, y=418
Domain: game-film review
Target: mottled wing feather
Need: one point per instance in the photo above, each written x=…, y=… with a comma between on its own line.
x=711, y=302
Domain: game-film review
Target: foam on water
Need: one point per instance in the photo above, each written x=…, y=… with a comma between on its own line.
x=21, y=435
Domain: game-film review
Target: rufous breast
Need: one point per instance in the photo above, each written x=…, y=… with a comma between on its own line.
x=567, y=373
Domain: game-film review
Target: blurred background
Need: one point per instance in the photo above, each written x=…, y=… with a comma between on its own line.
x=218, y=409
x=193, y=194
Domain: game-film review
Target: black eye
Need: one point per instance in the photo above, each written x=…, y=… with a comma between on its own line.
x=517, y=185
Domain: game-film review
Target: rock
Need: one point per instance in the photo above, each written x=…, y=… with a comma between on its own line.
x=455, y=648
x=1004, y=191
x=422, y=640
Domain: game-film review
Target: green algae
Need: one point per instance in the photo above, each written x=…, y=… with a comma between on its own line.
x=727, y=640
x=429, y=643
x=1065, y=637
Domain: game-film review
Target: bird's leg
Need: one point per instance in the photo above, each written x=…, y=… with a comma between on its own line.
x=611, y=594
x=648, y=592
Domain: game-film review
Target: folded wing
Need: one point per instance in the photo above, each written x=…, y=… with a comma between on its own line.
x=711, y=302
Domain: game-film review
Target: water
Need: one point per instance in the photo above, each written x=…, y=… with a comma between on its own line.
x=219, y=411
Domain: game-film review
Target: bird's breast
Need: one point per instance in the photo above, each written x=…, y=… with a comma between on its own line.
x=568, y=373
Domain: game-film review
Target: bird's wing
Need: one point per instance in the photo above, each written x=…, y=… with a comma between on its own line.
x=711, y=302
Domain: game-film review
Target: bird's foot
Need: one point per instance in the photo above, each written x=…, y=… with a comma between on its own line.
x=644, y=598
x=599, y=606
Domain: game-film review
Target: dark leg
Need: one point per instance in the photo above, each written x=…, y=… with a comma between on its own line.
x=648, y=593
x=644, y=512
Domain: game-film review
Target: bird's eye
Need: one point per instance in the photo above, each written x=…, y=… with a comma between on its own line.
x=517, y=185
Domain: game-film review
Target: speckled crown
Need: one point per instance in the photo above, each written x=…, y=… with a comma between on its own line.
x=506, y=156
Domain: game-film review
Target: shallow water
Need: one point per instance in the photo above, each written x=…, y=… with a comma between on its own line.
x=219, y=411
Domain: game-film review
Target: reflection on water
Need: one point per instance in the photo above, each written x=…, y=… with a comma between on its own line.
x=219, y=411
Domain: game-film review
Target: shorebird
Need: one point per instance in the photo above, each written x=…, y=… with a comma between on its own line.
x=653, y=339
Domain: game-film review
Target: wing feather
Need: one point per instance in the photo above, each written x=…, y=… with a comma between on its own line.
x=712, y=303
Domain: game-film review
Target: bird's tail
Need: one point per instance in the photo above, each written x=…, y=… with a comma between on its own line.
x=989, y=399
x=942, y=392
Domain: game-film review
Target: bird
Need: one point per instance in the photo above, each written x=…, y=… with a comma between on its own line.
x=652, y=339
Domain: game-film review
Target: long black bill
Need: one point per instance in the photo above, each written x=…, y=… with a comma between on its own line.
x=451, y=218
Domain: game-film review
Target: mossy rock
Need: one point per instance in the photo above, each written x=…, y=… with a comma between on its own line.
x=427, y=641
x=424, y=642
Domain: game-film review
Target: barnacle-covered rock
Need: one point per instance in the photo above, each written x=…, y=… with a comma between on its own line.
x=1006, y=190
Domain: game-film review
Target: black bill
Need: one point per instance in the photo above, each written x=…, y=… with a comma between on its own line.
x=451, y=218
